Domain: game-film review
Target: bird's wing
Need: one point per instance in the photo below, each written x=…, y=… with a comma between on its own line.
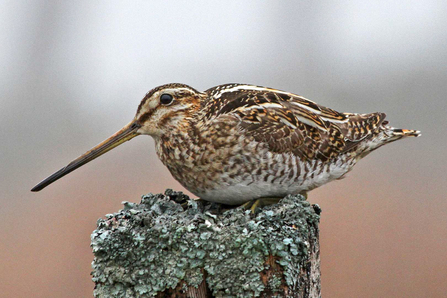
x=288, y=122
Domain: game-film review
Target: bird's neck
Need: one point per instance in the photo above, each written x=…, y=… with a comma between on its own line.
x=176, y=145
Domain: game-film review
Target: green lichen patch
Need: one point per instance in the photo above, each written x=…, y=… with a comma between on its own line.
x=149, y=247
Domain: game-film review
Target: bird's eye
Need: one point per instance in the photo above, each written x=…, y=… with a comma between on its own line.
x=166, y=99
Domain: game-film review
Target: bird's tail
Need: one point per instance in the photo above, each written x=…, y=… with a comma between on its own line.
x=394, y=134
x=406, y=132
x=384, y=134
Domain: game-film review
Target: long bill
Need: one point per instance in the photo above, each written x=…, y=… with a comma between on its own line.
x=125, y=134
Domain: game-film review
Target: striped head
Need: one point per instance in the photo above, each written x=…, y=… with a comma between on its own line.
x=167, y=108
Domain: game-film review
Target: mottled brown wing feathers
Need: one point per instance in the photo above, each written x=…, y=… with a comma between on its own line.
x=290, y=123
x=360, y=126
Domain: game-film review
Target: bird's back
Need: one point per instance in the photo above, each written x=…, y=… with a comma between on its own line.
x=291, y=123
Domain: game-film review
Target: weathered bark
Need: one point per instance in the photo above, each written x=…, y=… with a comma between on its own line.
x=172, y=246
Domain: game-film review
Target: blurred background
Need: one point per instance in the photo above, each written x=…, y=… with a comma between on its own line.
x=74, y=72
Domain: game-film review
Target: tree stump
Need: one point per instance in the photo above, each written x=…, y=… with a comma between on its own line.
x=172, y=246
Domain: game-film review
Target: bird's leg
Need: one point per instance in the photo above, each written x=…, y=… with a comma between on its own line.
x=254, y=205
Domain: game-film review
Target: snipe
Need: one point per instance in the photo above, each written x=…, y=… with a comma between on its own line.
x=234, y=143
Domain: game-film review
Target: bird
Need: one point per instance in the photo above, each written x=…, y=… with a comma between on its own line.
x=235, y=143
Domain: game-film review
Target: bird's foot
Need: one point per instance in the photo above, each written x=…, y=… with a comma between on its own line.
x=255, y=205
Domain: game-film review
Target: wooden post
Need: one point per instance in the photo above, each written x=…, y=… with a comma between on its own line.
x=172, y=246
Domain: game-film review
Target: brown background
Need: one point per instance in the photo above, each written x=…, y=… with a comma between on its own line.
x=72, y=73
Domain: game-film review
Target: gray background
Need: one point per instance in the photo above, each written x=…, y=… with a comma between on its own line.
x=73, y=73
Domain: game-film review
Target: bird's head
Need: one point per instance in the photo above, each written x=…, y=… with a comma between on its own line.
x=164, y=109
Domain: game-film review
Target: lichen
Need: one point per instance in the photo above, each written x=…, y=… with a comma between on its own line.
x=146, y=248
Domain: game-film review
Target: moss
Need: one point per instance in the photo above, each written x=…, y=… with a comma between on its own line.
x=146, y=248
